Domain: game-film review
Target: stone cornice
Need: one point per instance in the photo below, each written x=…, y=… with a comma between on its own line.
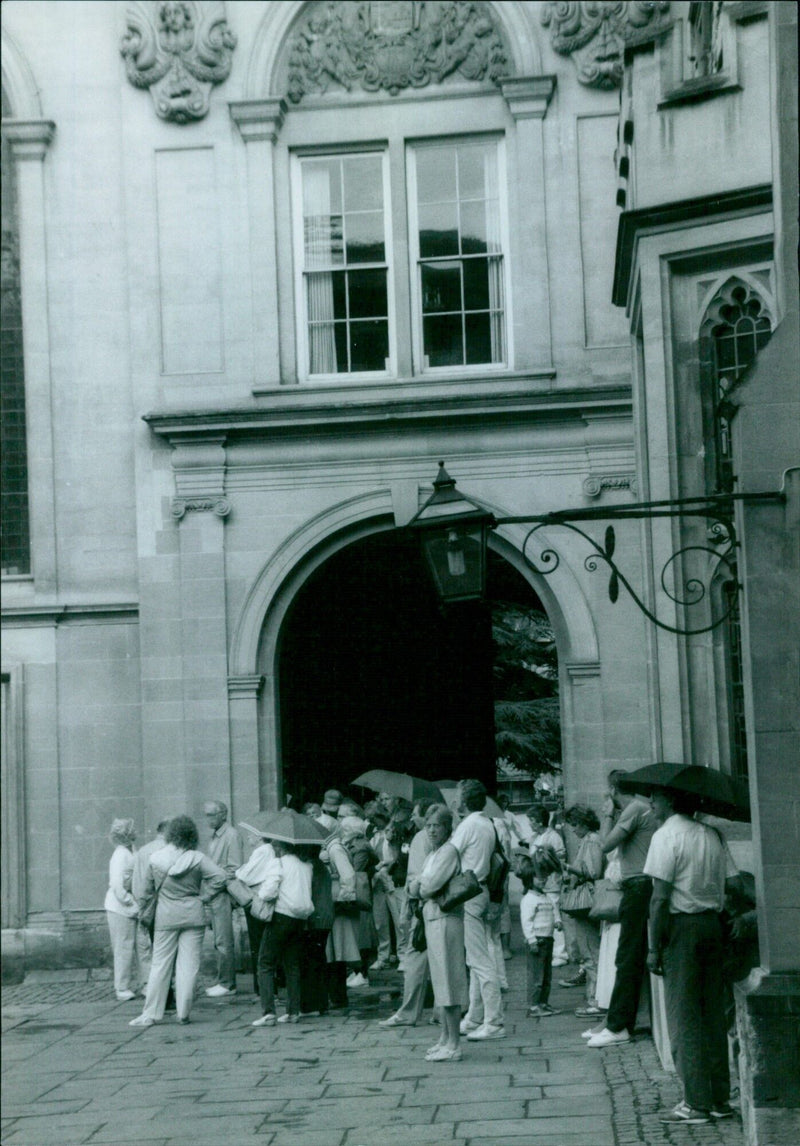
x=671, y=216
x=29, y=616
x=295, y=411
x=28, y=138
x=528, y=96
x=247, y=686
x=258, y=118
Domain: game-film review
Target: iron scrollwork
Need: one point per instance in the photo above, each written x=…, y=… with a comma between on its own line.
x=693, y=592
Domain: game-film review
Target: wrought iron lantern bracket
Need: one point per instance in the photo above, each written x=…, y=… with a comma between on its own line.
x=715, y=508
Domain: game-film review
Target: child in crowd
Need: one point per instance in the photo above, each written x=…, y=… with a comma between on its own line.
x=539, y=918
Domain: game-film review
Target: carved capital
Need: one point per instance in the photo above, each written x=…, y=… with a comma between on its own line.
x=528, y=96
x=392, y=45
x=220, y=506
x=594, y=485
x=595, y=32
x=258, y=118
x=178, y=49
x=246, y=687
x=28, y=138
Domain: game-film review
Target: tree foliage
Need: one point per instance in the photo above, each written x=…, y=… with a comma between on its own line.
x=526, y=707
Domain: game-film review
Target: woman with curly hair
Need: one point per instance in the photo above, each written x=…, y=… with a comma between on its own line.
x=121, y=910
x=184, y=880
x=586, y=868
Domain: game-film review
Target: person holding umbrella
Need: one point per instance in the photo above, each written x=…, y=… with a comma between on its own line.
x=686, y=861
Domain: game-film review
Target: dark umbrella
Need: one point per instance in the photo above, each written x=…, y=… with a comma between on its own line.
x=287, y=825
x=411, y=788
x=712, y=792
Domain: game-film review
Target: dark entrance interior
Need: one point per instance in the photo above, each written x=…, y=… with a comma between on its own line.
x=373, y=673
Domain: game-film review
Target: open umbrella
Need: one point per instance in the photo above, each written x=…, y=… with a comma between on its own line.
x=287, y=825
x=450, y=791
x=712, y=792
x=411, y=788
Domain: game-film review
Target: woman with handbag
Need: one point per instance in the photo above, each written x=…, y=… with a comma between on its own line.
x=252, y=874
x=287, y=885
x=576, y=898
x=181, y=880
x=341, y=950
x=364, y=861
x=444, y=933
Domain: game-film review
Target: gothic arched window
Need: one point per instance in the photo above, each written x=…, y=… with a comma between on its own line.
x=735, y=328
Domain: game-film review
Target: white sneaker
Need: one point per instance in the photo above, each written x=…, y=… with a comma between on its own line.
x=590, y=1032
x=608, y=1038
x=485, y=1032
x=219, y=991
x=265, y=1021
x=141, y=1021
x=126, y=996
x=357, y=981
x=467, y=1026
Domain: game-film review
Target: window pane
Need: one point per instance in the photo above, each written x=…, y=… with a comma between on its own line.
x=364, y=235
x=436, y=174
x=369, y=345
x=473, y=229
x=476, y=285
x=327, y=348
x=479, y=339
x=322, y=187
x=438, y=230
x=368, y=294
x=443, y=341
x=323, y=241
x=441, y=287
x=326, y=296
x=363, y=183
x=472, y=165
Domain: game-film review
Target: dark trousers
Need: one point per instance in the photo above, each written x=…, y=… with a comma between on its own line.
x=539, y=966
x=337, y=984
x=313, y=971
x=255, y=929
x=631, y=954
x=280, y=944
x=695, y=999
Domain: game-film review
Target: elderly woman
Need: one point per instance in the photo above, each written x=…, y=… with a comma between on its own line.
x=586, y=868
x=122, y=909
x=363, y=859
x=184, y=880
x=444, y=934
x=253, y=873
x=342, y=945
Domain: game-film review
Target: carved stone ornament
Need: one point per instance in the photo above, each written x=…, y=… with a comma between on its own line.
x=393, y=45
x=217, y=505
x=178, y=49
x=595, y=32
x=596, y=483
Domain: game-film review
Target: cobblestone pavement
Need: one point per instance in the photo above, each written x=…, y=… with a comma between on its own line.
x=74, y=1072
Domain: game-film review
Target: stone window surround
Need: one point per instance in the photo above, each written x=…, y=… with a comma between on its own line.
x=262, y=124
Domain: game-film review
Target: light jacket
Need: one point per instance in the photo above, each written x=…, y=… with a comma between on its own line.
x=186, y=881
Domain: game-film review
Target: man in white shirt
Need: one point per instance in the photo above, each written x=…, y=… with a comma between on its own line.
x=474, y=840
x=686, y=861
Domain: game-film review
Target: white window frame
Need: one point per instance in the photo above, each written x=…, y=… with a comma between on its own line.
x=412, y=146
x=301, y=302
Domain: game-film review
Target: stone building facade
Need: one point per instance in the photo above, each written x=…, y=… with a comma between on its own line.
x=275, y=260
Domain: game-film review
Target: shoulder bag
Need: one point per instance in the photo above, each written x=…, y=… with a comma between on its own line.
x=147, y=913
x=498, y=870
x=261, y=908
x=418, y=938
x=606, y=901
x=577, y=900
x=458, y=889
x=239, y=892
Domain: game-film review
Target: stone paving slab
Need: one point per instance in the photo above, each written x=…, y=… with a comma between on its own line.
x=75, y=1074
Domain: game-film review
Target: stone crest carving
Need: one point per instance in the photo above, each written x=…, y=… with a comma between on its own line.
x=595, y=32
x=393, y=45
x=178, y=49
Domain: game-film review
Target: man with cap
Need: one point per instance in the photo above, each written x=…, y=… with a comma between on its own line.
x=330, y=808
x=225, y=849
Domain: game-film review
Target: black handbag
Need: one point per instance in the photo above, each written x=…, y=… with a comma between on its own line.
x=458, y=889
x=419, y=940
x=499, y=868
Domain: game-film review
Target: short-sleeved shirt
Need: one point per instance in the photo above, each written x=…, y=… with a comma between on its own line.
x=474, y=840
x=639, y=824
x=689, y=856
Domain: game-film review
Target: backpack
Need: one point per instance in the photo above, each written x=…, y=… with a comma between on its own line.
x=499, y=868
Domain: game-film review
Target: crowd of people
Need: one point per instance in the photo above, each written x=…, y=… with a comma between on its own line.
x=423, y=886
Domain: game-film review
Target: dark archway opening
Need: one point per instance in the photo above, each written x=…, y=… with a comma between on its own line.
x=373, y=673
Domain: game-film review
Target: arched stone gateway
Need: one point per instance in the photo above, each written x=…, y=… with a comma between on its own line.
x=341, y=656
